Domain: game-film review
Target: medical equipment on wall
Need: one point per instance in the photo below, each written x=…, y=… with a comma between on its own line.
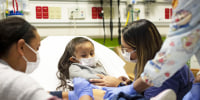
x=15, y=7
x=147, y=6
x=137, y=13
x=25, y=6
x=119, y=23
x=15, y=11
x=128, y=14
x=111, y=22
x=103, y=19
x=2, y=9
x=132, y=13
x=111, y=19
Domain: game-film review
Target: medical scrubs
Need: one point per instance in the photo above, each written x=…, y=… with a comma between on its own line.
x=15, y=85
x=181, y=83
x=183, y=41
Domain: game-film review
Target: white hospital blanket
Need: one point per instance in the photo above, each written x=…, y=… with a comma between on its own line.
x=53, y=47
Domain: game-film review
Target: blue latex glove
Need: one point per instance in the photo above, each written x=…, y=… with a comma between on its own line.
x=193, y=94
x=72, y=95
x=83, y=87
x=111, y=91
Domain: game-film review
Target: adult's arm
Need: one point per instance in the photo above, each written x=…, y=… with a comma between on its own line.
x=183, y=41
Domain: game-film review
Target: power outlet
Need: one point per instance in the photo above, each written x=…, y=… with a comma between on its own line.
x=77, y=13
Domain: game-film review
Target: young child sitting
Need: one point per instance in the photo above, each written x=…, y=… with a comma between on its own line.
x=78, y=60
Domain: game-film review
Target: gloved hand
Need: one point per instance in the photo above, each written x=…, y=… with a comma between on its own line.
x=111, y=91
x=72, y=95
x=83, y=87
x=193, y=94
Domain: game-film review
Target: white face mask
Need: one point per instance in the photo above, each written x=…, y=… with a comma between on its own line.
x=88, y=61
x=127, y=56
x=31, y=66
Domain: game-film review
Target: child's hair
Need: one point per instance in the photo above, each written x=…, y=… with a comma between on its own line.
x=64, y=63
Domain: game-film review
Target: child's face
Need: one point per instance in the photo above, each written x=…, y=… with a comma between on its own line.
x=84, y=50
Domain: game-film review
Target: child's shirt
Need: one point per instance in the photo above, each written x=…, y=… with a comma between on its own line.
x=87, y=72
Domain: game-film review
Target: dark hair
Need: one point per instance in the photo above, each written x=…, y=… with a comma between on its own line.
x=143, y=36
x=11, y=30
x=64, y=63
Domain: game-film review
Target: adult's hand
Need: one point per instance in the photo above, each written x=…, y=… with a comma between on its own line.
x=108, y=81
x=82, y=87
x=111, y=91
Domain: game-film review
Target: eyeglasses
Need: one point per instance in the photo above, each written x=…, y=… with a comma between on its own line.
x=128, y=50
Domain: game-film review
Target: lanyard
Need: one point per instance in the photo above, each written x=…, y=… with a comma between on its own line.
x=13, y=2
x=111, y=22
x=119, y=23
x=102, y=14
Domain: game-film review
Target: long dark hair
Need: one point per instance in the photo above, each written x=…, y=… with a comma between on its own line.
x=143, y=36
x=11, y=30
x=64, y=63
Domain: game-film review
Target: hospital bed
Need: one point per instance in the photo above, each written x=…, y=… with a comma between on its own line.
x=53, y=47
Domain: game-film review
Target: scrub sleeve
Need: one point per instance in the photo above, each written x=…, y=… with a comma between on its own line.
x=182, y=42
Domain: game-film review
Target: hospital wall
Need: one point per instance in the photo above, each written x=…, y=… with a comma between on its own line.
x=64, y=24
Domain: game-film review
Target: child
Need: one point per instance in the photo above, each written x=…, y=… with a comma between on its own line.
x=78, y=60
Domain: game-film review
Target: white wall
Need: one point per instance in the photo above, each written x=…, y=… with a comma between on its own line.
x=92, y=27
x=86, y=31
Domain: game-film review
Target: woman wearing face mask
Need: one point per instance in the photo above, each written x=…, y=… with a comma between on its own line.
x=78, y=60
x=140, y=41
x=19, y=42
